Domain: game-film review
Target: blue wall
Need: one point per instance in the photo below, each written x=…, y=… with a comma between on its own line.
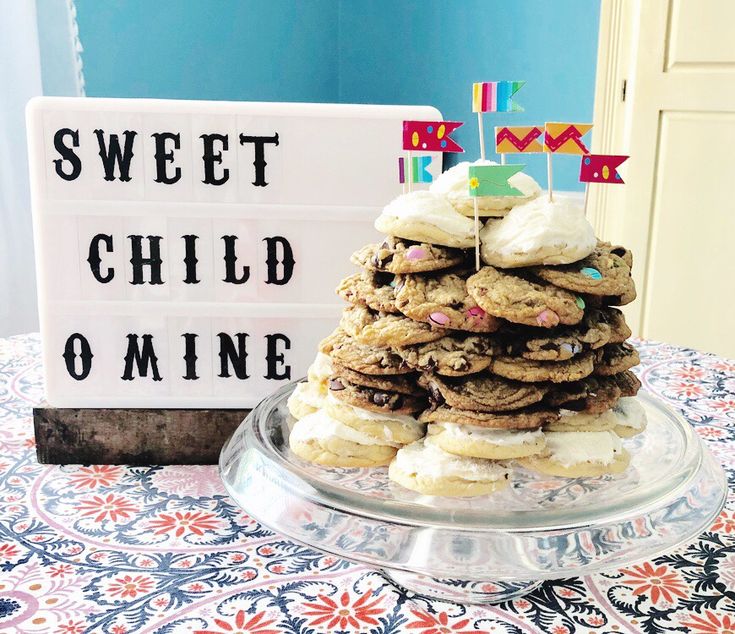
x=382, y=51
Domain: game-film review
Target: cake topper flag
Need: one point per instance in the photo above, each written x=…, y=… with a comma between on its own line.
x=563, y=138
x=518, y=139
x=419, y=169
x=493, y=96
x=428, y=136
x=601, y=168
x=489, y=180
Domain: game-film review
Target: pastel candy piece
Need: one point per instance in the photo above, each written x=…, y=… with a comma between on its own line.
x=392, y=283
x=415, y=253
x=590, y=272
x=579, y=301
x=568, y=347
x=476, y=312
x=439, y=318
x=547, y=318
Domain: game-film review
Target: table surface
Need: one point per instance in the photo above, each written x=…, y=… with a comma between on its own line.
x=163, y=549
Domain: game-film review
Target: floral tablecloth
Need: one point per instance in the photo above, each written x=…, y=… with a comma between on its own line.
x=163, y=549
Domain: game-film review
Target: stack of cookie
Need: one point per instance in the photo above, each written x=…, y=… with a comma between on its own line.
x=448, y=373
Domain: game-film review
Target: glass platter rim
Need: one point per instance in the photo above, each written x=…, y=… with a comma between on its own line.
x=356, y=504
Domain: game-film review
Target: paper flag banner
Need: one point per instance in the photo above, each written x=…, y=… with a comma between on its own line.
x=601, y=168
x=565, y=138
x=516, y=139
x=419, y=169
x=495, y=96
x=430, y=136
x=492, y=180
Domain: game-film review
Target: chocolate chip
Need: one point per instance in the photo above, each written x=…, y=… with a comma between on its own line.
x=434, y=394
x=336, y=385
x=381, y=398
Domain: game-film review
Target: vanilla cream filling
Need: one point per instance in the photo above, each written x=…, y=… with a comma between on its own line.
x=539, y=232
x=321, y=426
x=630, y=412
x=454, y=183
x=428, y=460
x=580, y=418
x=433, y=209
x=321, y=368
x=502, y=437
x=309, y=394
x=570, y=448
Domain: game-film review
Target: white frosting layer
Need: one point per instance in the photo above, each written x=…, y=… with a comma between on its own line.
x=378, y=417
x=569, y=448
x=580, y=418
x=630, y=412
x=502, y=437
x=538, y=232
x=454, y=184
x=308, y=393
x=426, y=459
x=321, y=426
x=433, y=209
x=321, y=368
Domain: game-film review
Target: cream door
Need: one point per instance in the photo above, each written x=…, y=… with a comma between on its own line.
x=666, y=96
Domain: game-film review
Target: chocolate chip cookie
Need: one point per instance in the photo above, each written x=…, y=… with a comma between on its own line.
x=453, y=355
x=400, y=383
x=373, y=290
x=600, y=273
x=362, y=358
x=442, y=300
x=523, y=301
x=592, y=395
x=482, y=392
x=616, y=358
x=386, y=330
x=396, y=255
x=376, y=400
x=535, y=371
x=528, y=418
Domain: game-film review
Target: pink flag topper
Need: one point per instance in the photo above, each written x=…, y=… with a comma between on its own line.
x=601, y=168
x=430, y=136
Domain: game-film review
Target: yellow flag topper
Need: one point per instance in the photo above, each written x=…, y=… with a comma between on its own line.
x=565, y=138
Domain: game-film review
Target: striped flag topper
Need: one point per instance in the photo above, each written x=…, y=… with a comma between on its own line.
x=419, y=169
x=495, y=96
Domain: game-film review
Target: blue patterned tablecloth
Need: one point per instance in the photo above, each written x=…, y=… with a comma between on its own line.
x=163, y=549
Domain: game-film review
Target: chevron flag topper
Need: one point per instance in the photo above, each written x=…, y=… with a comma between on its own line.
x=518, y=139
x=565, y=138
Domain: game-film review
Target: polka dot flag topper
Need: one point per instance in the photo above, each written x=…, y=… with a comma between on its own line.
x=601, y=168
x=430, y=136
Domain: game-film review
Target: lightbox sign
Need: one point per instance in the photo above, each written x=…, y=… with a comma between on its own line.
x=187, y=251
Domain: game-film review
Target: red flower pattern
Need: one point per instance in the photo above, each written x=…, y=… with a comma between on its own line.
x=71, y=627
x=345, y=613
x=658, y=583
x=711, y=623
x=95, y=476
x=8, y=551
x=255, y=625
x=61, y=570
x=725, y=523
x=439, y=624
x=195, y=522
x=116, y=507
x=129, y=586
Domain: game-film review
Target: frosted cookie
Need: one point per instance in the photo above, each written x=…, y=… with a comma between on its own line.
x=631, y=417
x=600, y=273
x=360, y=357
x=374, y=290
x=396, y=255
x=523, y=301
x=538, y=232
x=526, y=418
x=535, y=371
x=453, y=355
x=320, y=439
x=320, y=370
x=480, y=442
x=482, y=392
x=580, y=421
x=423, y=216
x=579, y=454
x=427, y=469
x=616, y=358
x=306, y=399
x=454, y=184
x=384, y=330
x=377, y=400
x=389, y=428
x=442, y=300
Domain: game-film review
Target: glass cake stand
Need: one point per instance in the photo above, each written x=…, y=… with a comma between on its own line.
x=483, y=549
